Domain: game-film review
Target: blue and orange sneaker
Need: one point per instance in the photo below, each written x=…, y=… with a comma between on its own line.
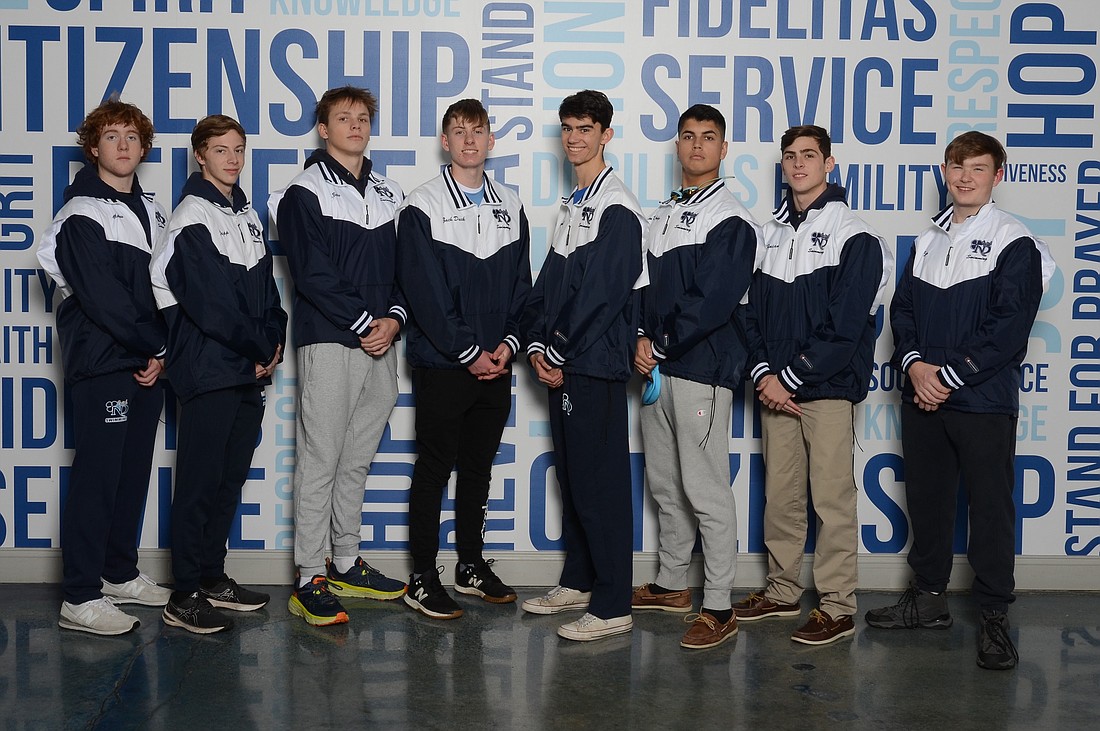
x=316, y=605
x=363, y=581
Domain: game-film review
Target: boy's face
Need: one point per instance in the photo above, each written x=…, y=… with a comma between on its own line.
x=583, y=139
x=222, y=160
x=805, y=167
x=118, y=151
x=468, y=142
x=347, y=130
x=971, y=181
x=700, y=148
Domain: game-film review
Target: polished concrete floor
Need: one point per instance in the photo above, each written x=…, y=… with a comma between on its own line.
x=497, y=667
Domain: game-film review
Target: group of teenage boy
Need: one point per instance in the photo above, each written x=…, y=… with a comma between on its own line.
x=693, y=297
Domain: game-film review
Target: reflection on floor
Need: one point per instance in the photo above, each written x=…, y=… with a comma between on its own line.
x=499, y=668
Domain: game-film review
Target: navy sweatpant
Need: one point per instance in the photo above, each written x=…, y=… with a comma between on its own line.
x=218, y=431
x=588, y=422
x=114, y=429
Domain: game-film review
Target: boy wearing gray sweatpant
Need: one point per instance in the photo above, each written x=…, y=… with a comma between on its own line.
x=702, y=249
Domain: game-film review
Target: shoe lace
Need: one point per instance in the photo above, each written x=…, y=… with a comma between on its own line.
x=816, y=615
x=907, y=607
x=754, y=598
x=318, y=588
x=700, y=617
x=997, y=634
x=586, y=620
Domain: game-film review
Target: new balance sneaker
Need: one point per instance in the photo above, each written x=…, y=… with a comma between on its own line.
x=822, y=629
x=363, y=581
x=757, y=606
x=915, y=609
x=558, y=599
x=706, y=631
x=670, y=601
x=995, y=648
x=138, y=590
x=479, y=580
x=228, y=594
x=590, y=627
x=98, y=616
x=194, y=613
x=316, y=605
x=427, y=596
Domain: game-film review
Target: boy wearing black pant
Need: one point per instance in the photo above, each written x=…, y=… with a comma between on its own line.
x=464, y=266
x=213, y=281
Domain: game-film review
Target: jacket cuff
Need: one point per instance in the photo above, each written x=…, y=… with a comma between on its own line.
x=909, y=359
x=361, y=325
x=469, y=355
x=949, y=378
x=512, y=342
x=554, y=358
x=759, y=371
x=790, y=381
x=398, y=313
x=658, y=354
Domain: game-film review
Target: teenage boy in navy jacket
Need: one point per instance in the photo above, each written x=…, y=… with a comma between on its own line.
x=464, y=266
x=702, y=246
x=336, y=225
x=213, y=281
x=581, y=324
x=112, y=345
x=811, y=328
x=961, y=317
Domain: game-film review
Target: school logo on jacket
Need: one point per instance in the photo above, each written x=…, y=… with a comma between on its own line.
x=686, y=219
x=980, y=249
x=503, y=217
x=383, y=192
x=818, y=241
x=117, y=411
x=255, y=231
x=587, y=214
x=161, y=220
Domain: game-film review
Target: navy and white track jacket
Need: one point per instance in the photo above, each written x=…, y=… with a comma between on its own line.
x=810, y=316
x=583, y=310
x=213, y=281
x=339, y=237
x=966, y=302
x=97, y=250
x=701, y=255
x=465, y=270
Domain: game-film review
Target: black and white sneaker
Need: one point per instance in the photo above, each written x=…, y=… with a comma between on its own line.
x=427, y=596
x=194, y=613
x=478, y=579
x=228, y=594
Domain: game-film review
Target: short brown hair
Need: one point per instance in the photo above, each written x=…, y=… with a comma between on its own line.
x=824, y=143
x=975, y=144
x=113, y=111
x=350, y=94
x=467, y=110
x=212, y=126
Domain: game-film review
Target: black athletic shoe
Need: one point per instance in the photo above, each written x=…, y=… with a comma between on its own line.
x=194, y=613
x=995, y=648
x=478, y=579
x=915, y=609
x=427, y=596
x=228, y=594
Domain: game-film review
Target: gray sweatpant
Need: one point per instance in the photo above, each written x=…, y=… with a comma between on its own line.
x=344, y=401
x=690, y=482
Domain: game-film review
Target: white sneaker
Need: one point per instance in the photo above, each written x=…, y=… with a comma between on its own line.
x=558, y=599
x=590, y=627
x=138, y=590
x=99, y=616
